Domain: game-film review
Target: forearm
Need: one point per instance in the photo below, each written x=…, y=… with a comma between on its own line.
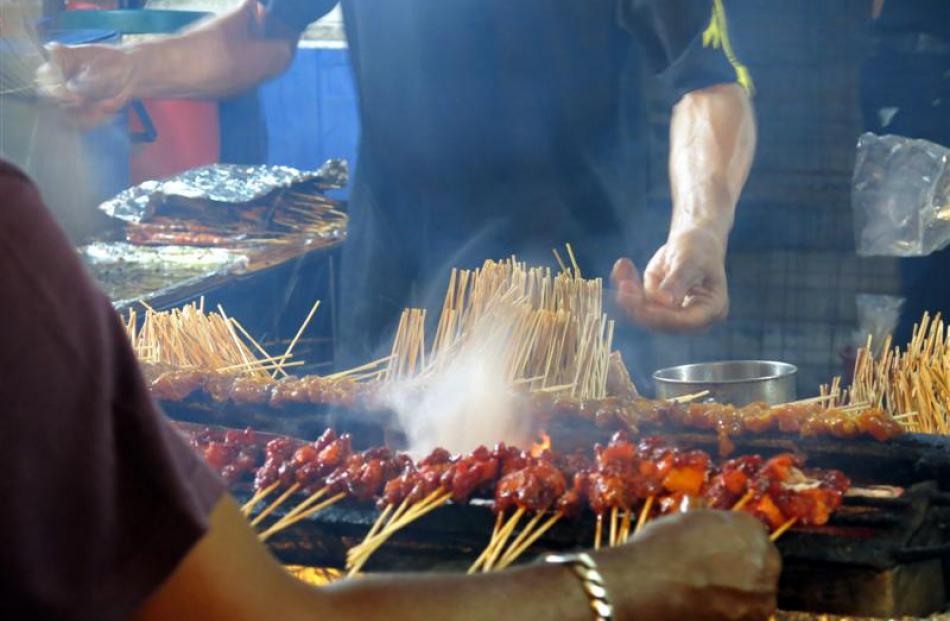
x=712, y=143
x=543, y=592
x=218, y=57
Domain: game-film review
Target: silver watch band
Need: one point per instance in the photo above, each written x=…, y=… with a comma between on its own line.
x=585, y=568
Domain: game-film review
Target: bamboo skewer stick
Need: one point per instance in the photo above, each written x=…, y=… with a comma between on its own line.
x=613, y=526
x=524, y=534
x=598, y=531
x=746, y=498
x=379, y=521
x=781, y=529
x=528, y=542
x=304, y=504
x=384, y=536
x=625, y=526
x=361, y=554
x=274, y=505
x=260, y=495
x=303, y=515
x=300, y=332
x=644, y=513
x=355, y=370
x=690, y=397
x=502, y=539
x=499, y=522
x=250, y=338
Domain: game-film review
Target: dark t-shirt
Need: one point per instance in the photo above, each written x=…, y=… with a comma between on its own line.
x=499, y=127
x=486, y=91
x=101, y=497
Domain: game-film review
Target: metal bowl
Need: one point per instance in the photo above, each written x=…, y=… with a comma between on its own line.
x=738, y=382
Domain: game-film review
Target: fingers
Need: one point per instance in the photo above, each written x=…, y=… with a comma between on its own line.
x=623, y=269
x=678, y=283
x=679, y=293
x=653, y=277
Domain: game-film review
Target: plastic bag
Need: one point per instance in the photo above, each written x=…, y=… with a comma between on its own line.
x=900, y=194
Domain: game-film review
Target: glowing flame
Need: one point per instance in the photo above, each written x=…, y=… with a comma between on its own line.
x=543, y=444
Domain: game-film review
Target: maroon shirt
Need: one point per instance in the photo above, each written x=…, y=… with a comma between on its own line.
x=101, y=498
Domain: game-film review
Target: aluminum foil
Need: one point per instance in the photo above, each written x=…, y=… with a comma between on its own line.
x=222, y=183
x=127, y=272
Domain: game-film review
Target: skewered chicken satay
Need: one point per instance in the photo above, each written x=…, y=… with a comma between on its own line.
x=363, y=476
x=250, y=390
x=730, y=482
x=233, y=455
x=471, y=473
x=177, y=385
x=289, y=390
x=784, y=491
x=313, y=463
x=417, y=481
x=615, y=484
x=535, y=487
x=276, y=468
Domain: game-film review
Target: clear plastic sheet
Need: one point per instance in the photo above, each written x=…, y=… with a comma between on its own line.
x=229, y=184
x=900, y=194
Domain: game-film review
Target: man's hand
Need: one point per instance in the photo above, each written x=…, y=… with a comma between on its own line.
x=712, y=140
x=92, y=82
x=700, y=565
x=683, y=288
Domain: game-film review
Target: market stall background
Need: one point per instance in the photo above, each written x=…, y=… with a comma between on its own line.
x=794, y=275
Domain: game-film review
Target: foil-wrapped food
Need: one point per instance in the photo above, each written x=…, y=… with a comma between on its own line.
x=228, y=205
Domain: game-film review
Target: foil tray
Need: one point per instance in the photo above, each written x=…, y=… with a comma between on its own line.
x=127, y=273
x=230, y=184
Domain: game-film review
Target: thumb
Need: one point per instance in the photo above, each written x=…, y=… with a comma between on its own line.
x=624, y=270
x=625, y=278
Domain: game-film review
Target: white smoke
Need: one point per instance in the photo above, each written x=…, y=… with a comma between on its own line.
x=467, y=402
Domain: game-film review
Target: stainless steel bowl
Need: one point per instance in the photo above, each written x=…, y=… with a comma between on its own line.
x=738, y=382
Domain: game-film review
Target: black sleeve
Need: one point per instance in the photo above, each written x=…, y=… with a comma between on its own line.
x=103, y=498
x=688, y=43
x=296, y=15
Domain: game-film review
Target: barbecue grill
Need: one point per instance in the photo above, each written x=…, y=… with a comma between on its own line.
x=884, y=552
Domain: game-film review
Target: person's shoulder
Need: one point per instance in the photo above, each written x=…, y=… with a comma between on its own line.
x=9, y=170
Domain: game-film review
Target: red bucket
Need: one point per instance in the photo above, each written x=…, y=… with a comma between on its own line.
x=186, y=135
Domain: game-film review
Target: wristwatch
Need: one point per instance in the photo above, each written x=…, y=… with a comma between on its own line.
x=585, y=568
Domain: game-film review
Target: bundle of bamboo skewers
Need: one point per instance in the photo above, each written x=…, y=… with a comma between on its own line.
x=554, y=332
x=912, y=385
x=190, y=338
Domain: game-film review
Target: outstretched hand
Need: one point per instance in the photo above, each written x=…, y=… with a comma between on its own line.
x=683, y=287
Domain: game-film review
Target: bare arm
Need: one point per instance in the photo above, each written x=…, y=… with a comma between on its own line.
x=218, y=57
x=712, y=143
x=230, y=576
x=715, y=562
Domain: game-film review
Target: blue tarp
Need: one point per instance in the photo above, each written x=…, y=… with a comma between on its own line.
x=311, y=112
